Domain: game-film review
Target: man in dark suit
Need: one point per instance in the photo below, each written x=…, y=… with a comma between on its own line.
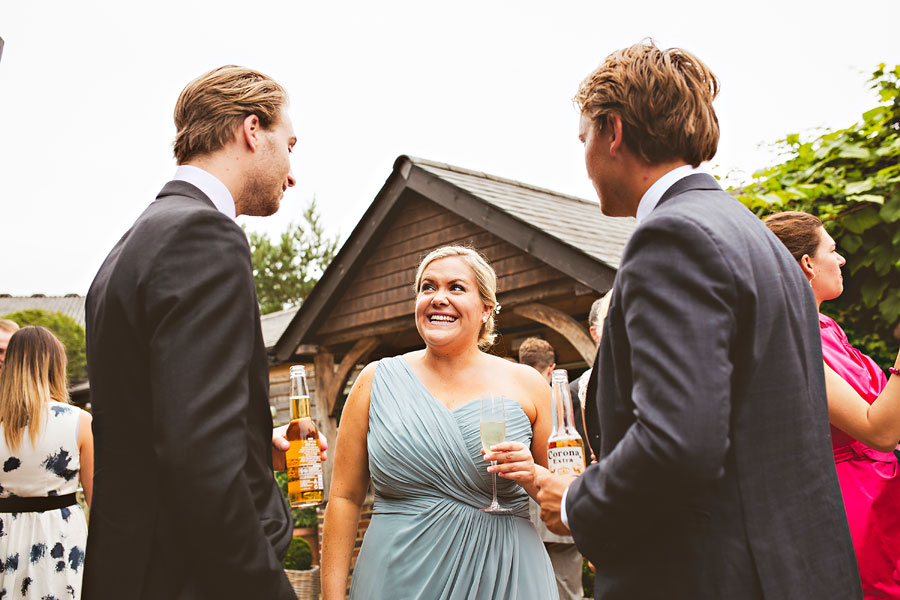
x=185, y=505
x=715, y=478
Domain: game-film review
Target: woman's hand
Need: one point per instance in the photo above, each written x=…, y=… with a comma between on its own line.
x=514, y=461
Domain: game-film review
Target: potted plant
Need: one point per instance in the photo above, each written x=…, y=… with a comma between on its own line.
x=298, y=567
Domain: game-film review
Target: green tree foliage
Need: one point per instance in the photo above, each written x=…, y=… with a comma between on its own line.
x=287, y=269
x=851, y=180
x=64, y=327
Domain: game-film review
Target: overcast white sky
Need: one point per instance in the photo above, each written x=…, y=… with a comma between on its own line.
x=87, y=91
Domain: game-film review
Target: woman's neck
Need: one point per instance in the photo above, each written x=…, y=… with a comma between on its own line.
x=451, y=359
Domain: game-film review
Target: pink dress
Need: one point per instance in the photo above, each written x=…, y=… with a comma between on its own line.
x=870, y=481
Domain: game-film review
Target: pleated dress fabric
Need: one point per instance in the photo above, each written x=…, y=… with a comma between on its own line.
x=427, y=538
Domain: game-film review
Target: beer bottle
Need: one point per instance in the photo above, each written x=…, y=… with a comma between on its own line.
x=565, y=448
x=304, y=466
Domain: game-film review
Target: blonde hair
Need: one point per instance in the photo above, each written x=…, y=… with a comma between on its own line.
x=664, y=99
x=211, y=107
x=34, y=374
x=8, y=326
x=485, y=279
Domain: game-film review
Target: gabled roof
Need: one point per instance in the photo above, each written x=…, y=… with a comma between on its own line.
x=274, y=324
x=566, y=233
x=71, y=305
x=572, y=220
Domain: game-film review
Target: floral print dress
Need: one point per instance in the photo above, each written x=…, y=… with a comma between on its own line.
x=42, y=553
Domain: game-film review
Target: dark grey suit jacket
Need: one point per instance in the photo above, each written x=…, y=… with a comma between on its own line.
x=185, y=505
x=716, y=478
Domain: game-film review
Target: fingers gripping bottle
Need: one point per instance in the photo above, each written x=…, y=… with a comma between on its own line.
x=565, y=448
x=304, y=466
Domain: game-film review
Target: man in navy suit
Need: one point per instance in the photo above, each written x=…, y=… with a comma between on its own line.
x=185, y=505
x=715, y=477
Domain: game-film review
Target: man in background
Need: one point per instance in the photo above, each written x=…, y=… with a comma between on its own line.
x=185, y=504
x=540, y=355
x=7, y=329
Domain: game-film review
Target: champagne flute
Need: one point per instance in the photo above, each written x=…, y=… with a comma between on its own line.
x=493, y=431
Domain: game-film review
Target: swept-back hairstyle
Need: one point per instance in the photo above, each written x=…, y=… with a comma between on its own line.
x=485, y=279
x=211, y=107
x=34, y=374
x=797, y=230
x=663, y=97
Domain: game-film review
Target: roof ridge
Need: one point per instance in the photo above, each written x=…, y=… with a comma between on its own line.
x=448, y=167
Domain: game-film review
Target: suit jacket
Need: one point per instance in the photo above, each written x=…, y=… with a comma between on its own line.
x=716, y=478
x=185, y=505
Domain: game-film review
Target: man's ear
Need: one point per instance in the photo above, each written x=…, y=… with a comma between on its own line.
x=614, y=124
x=249, y=133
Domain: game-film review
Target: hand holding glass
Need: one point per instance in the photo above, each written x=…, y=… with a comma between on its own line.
x=493, y=431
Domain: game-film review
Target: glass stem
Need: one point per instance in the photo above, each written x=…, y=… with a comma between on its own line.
x=494, y=504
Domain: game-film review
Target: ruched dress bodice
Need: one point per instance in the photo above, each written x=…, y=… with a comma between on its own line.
x=428, y=538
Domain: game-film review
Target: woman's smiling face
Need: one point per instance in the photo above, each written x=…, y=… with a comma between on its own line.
x=449, y=308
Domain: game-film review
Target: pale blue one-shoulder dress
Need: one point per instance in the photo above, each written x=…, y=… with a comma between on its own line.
x=427, y=538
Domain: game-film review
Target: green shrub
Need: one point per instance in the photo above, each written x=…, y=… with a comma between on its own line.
x=64, y=327
x=587, y=579
x=299, y=555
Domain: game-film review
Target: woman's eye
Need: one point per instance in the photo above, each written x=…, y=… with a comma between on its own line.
x=457, y=287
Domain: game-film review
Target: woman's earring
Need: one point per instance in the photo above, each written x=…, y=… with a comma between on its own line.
x=484, y=319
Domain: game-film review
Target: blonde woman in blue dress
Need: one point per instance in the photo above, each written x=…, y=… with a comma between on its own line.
x=411, y=423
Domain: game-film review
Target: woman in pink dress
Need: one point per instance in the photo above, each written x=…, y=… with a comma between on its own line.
x=864, y=410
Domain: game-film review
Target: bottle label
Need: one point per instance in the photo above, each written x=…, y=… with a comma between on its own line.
x=566, y=457
x=305, y=469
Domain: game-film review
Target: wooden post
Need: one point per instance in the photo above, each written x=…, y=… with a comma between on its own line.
x=563, y=324
x=330, y=382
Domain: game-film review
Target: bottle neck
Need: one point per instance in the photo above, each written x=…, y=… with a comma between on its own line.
x=299, y=407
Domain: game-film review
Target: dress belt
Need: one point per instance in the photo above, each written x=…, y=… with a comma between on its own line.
x=42, y=504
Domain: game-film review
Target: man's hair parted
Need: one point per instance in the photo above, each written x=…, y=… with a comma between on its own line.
x=211, y=107
x=663, y=97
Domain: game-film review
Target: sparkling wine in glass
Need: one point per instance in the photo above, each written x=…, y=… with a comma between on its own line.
x=493, y=431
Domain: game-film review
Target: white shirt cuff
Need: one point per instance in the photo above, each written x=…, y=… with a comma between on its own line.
x=562, y=509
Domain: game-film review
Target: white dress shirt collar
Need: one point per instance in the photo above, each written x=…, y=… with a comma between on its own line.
x=653, y=195
x=210, y=185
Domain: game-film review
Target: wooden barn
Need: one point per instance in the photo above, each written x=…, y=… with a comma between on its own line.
x=553, y=254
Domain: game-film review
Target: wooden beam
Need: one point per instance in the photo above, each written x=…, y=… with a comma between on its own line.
x=330, y=383
x=563, y=324
x=357, y=354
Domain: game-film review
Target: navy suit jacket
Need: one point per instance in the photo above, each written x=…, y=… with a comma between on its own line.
x=185, y=505
x=716, y=477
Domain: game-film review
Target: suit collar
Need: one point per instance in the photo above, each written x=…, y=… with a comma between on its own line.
x=185, y=189
x=697, y=181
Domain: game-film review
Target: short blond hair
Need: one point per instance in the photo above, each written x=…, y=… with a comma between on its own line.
x=33, y=374
x=664, y=99
x=212, y=107
x=485, y=279
x=8, y=326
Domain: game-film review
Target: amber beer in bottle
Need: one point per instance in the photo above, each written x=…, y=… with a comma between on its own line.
x=565, y=448
x=304, y=466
